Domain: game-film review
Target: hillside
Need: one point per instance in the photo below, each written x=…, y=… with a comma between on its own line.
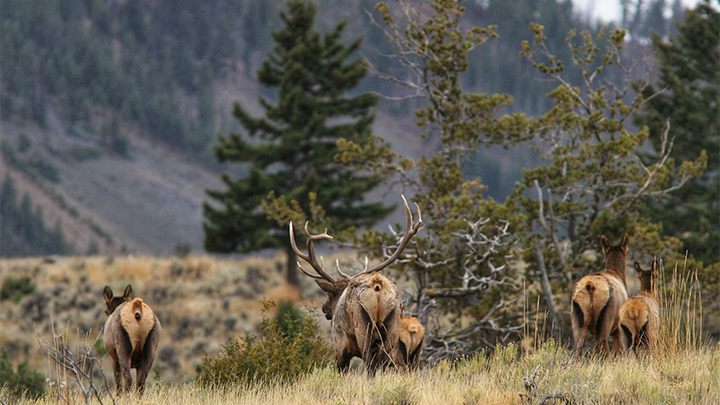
x=148, y=202
x=200, y=301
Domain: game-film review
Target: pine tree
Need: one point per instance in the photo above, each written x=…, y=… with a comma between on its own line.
x=293, y=173
x=690, y=74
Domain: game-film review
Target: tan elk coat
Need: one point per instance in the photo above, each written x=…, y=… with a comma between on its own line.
x=131, y=336
x=410, y=345
x=640, y=315
x=597, y=300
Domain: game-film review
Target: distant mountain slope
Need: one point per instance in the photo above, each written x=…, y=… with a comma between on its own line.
x=147, y=203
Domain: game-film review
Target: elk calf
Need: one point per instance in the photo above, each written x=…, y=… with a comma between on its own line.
x=640, y=315
x=597, y=300
x=131, y=336
x=410, y=345
x=364, y=310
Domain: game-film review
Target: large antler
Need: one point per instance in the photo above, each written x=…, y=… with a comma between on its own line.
x=310, y=257
x=411, y=230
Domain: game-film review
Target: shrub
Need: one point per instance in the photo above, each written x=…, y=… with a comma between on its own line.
x=24, y=381
x=273, y=356
x=15, y=287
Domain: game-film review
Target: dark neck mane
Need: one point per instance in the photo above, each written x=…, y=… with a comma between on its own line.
x=647, y=284
x=615, y=262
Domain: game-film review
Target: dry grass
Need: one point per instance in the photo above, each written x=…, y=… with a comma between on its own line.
x=690, y=378
x=684, y=370
x=201, y=301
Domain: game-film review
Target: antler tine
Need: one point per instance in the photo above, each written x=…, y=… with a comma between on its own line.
x=315, y=276
x=310, y=257
x=337, y=265
x=410, y=231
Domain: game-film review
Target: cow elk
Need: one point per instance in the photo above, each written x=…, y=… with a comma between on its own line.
x=640, y=315
x=364, y=310
x=410, y=345
x=131, y=336
x=597, y=300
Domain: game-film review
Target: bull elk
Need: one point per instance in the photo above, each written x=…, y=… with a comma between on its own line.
x=640, y=315
x=410, y=344
x=131, y=336
x=597, y=300
x=364, y=310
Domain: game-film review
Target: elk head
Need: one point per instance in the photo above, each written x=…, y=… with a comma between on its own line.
x=113, y=302
x=615, y=255
x=648, y=278
x=364, y=309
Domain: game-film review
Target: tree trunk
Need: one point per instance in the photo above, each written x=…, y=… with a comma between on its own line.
x=555, y=322
x=292, y=271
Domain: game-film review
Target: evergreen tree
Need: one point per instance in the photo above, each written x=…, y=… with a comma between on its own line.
x=690, y=73
x=292, y=173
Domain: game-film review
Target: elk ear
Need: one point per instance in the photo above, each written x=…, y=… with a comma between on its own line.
x=604, y=244
x=107, y=294
x=127, y=295
x=327, y=286
x=625, y=243
x=638, y=269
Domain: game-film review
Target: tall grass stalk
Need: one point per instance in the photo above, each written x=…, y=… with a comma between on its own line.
x=681, y=311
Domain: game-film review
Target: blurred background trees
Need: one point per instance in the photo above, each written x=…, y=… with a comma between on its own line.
x=291, y=149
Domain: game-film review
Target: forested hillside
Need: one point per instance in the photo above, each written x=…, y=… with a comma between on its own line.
x=109, y=108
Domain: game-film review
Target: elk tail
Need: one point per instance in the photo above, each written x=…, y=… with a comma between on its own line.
x=590, y=287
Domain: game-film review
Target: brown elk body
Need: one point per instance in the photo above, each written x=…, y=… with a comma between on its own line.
x=410, y=344
x=597, y=300
x=640, y=315
x=365, y=310
x=131, y=336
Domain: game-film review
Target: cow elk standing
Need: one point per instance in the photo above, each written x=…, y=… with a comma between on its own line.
x=597, y=300
x=131, y=336
x=640, y=315
x=365, y=310
x=410, y=345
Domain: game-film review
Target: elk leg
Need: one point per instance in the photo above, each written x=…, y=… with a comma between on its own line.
x=617, y=345
x=148, y=357
x=118, y=376
x=579, y=328
x=626, y=338
x=343, y=361
x=142, y=373
x=124, y=356
x=603, y=327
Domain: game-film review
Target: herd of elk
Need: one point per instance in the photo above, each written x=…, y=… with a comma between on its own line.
x=366, y=313
x=365, y=310
x=131, y=336
x=597, y=300
x=640, y=315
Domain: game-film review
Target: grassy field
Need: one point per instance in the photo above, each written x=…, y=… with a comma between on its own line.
x=203, y=300
x=547, y=376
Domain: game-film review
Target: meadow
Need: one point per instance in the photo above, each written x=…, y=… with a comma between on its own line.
x=190, y=295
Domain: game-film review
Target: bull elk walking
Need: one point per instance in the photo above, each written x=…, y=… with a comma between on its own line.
x=597, y=300
x=131, y=336
x=364, y=310
x=640, y=315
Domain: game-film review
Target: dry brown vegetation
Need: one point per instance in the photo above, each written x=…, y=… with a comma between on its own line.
x=202, y=300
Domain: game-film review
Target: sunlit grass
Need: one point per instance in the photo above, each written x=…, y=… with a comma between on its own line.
x=691, y=377
x=684, y=369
